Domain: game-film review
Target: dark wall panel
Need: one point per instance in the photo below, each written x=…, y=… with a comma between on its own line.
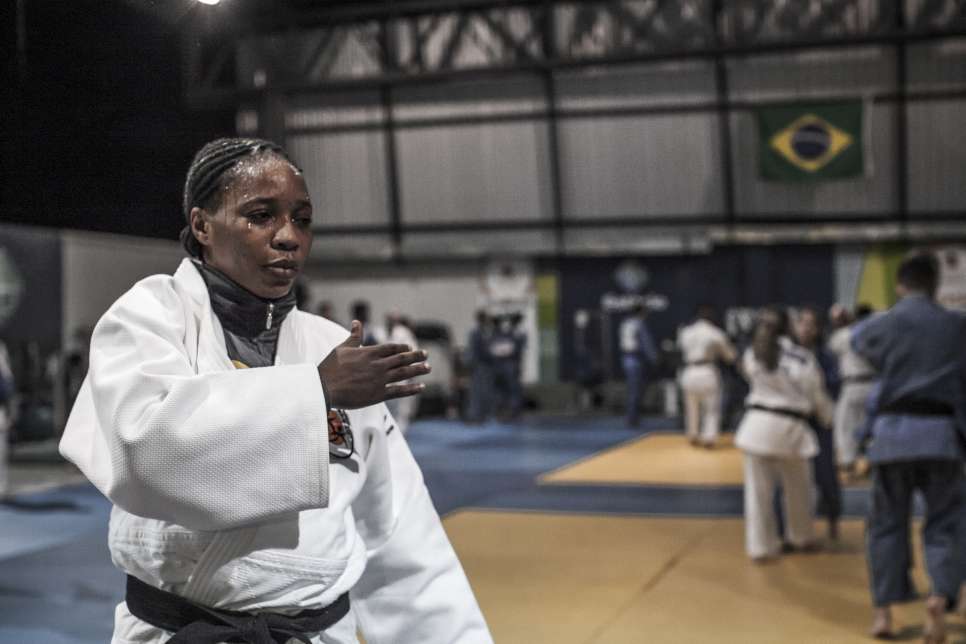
x=741, y=276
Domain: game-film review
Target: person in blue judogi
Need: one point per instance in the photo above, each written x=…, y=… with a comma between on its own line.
x=481, y=366
x=916, y=443
x=638, y=355
x=505, y=349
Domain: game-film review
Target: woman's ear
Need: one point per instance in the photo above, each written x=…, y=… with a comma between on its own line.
x=199, y=226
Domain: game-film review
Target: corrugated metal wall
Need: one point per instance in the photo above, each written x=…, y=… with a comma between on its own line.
x=632, y=142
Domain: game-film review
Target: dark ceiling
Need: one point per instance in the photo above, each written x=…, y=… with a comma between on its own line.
x=97, y=135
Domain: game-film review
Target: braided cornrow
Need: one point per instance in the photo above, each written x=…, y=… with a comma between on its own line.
x=210, y=171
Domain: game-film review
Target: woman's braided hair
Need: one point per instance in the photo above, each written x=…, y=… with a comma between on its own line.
x=210, y=171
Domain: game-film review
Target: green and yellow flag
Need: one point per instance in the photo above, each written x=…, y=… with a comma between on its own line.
x=810, y=142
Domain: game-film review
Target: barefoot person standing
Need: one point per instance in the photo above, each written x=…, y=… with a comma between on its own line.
x=918, y=349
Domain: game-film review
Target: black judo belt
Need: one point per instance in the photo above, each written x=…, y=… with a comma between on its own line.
x=699, y=363
x=192, y=623
x=859, y=379
x=918, y=407
x=783, y=411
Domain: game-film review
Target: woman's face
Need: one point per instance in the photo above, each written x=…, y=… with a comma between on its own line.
x=261, y=233
x=806, y=328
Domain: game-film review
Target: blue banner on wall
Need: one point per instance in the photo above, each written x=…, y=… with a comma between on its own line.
x=673, y=287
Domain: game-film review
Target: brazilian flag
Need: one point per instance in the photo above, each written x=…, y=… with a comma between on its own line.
x=810, y=142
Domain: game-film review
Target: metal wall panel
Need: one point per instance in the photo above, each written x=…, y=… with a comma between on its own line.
x=875, y=194
x=674, y=83
x=937, y=66
x=937, y=156
x=337, y=247
x=346, y=175
x=472, y=244
x=813, y=74
x=511, y=95
x=474, y=173
x=333, y=110
x=607, y=241
x=633, y=166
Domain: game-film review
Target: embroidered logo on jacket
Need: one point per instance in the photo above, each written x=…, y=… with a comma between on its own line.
x=341, y=442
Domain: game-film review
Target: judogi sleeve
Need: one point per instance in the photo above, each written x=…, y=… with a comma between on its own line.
x=413, y=590
x=822, y=405
x=208, y=451
x=871, y=339
x=725, y=349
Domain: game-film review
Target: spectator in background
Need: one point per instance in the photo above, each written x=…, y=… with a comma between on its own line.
x=7, y=390
x=702, y=346
x=638, y=357
x=587, y=367
x=326, y=310
x=400, y=331
x=504, y=350
x=520, y=341
x=918, y=349
x=857, y=377
x=481, y=368
x=372, y=333
x=808, y=336
x=76, y=356
x=775, y=434
x=838, y=317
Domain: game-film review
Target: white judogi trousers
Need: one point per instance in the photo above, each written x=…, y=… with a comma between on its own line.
x=762, y=476
x=849, y=415
x=701, y=385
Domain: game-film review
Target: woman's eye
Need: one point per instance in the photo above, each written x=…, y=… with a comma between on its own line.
x=302, y=222
x=259, y=218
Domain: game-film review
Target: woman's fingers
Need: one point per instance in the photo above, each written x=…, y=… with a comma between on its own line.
x=401, y=391
x=405, y=373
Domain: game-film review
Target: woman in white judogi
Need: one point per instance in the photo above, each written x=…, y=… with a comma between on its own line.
x=787, y=390
x=702, y=345
x=258, y=492
x=858, y=381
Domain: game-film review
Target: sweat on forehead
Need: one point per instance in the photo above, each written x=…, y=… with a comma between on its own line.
x=216, y=163
x=213, y=168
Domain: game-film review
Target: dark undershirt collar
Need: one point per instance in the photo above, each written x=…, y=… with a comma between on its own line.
x=251, y=323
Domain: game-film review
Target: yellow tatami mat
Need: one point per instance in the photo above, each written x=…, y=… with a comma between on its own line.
x=569, y=579
x=656, y=459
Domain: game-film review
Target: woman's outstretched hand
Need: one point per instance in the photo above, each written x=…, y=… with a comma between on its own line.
x=356, y=376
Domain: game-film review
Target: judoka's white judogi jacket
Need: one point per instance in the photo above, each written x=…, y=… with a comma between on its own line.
x=796, y=384
x=223, y=487
x=701, y=344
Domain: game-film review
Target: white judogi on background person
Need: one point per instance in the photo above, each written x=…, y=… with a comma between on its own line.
x=702, y=345
x=858, y=379
x=777, y=442
x=223, y=487
x=402, y=409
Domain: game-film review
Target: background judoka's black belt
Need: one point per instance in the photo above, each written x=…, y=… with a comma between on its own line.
x=196, y=624
x=782, y=411
x=918, y=407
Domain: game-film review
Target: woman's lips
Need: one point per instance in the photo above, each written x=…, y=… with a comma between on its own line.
x=283, y=269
